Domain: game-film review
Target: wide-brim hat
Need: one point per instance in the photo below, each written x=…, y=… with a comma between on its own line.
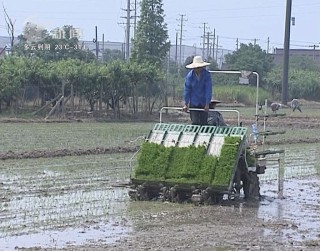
x=214, y=101
x=197, y=63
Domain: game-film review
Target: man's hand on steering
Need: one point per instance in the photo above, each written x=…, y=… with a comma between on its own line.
x=185, y=108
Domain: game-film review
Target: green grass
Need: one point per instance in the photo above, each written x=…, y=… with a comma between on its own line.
x=250, y=111
x=37, y=136
x=113, y=166
x=43, y=136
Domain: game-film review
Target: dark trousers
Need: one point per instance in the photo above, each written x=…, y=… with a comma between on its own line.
x=198, y=117
x=297, y=107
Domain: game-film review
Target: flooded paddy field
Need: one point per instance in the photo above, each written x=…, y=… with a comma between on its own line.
x=49, y=201
x=73, y=203
x=76, y=203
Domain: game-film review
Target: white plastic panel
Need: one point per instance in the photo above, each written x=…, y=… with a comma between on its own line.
x=171, y=139
x=156, y=137
x=216, y=145
x=202, y=139
x=186, y=139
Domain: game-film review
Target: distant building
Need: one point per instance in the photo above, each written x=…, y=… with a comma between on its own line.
x=310, y=53
x=60, y=33
x=174, y=53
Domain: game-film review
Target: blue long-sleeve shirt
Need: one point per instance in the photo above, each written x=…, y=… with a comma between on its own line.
x=198, y=91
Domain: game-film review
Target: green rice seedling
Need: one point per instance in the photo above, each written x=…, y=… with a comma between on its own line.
x=207, y=172
x=227, y=161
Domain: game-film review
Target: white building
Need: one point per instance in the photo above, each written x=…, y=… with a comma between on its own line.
x=60, y=33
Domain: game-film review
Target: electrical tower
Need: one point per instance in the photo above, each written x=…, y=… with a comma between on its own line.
x=182, y=20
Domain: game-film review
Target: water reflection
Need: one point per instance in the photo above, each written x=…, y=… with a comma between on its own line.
x=79, y=216
x=91, y=210
x=298, y=211
x=300, y=160
x=299, y=208
x=104, y=233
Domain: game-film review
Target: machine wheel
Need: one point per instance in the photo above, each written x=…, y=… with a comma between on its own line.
x=247, y=181
x=241, y=178
x=254, y=186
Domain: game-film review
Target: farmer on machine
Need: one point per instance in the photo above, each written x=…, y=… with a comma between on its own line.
x=197, y=91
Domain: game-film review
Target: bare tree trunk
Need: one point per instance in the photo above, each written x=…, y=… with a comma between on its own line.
x=62, y=101
x=10, y=27
x=54, y=108
x=100, y=99
x=72, y=101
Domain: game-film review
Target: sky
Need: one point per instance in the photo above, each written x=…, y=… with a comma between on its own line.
x=249, y=21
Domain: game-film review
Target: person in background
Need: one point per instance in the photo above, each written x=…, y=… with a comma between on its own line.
x=197, y=91
x=214, y=117
x=295, y=104
x=275, y=107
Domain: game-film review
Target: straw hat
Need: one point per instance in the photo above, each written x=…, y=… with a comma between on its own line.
x=197, y=63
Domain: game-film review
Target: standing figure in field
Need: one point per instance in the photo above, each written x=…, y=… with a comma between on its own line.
x=214, y=117
x=295, y=104
x=275, y=107
x=197, y=91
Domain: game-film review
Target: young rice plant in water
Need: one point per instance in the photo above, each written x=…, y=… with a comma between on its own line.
x=187, y=164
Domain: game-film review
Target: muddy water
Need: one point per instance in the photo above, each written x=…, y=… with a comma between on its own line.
x=299, y=209
x=70, y=201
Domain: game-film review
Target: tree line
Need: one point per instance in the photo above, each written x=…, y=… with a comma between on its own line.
x=143, y=82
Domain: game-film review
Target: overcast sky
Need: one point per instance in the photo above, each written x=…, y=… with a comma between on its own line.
x=246, y=20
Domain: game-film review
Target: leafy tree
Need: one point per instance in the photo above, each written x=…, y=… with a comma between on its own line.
x=303, y=63
x=273, y=82
x=118, y=77
x=303, y=79
x=109, y=55
x=152, y=86
x=137, y=77
x=302, y=83
x=151, y=43
x=33, y=32
x=251, y=58
x=14, y=73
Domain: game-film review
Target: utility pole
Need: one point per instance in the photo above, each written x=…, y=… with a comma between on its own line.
x=217, y=48
x=102, y=47
x=314, y=51
x=176, y=51
x=237, y=43
x=204, y=39
x=128, y=18
x=181, y=30
x=268, y=45
x=286, y=47
x=128, y=31
x=95, y=40
x=135, y=19
x=213, y=43
x=209, y=34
